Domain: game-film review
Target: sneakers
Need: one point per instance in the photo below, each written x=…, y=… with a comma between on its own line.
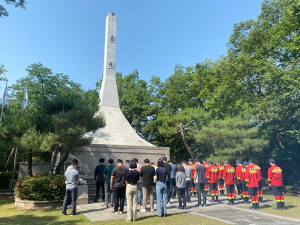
x=128, y=220
x=115, y=212
x=152, y=210
x=143, y=210
x=74, y=214
x=64, y=214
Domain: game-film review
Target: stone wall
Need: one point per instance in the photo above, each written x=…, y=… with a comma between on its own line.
x=88, y=157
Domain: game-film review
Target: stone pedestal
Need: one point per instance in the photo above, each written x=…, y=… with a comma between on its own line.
x=83, y=195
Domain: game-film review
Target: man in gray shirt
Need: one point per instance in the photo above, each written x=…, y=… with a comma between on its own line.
x=200, y=180
x=72, y=179
x=187, y=180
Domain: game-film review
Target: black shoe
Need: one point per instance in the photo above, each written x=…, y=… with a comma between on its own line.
x=228, y=203
x=64, y=214
x=276, y=208
x=197, y=205
x=74, y=214
x=179, y=207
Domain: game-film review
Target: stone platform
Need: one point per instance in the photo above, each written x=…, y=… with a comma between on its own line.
x=88, y=157
x=218, y=211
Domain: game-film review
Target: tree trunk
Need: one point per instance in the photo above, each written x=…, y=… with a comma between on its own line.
x=29, y=168
x=53, y=161
x=185, y=143
x=8, y=160
x=61, y=162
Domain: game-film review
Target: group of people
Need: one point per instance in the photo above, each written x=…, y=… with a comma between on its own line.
x=135, y=183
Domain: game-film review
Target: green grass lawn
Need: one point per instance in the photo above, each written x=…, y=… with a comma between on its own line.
x=292, y=205
x=10, y=215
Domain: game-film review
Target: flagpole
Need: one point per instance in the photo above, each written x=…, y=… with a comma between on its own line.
x=2, y=103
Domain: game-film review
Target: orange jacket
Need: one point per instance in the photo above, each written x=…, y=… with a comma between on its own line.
x=228, y=175
x=275, y=175
x=251, y=177
x=220, y=171
x=192, y=166
x=212, y=174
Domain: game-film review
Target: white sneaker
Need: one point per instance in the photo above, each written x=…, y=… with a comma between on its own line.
x=143, y=210
x=152, y=210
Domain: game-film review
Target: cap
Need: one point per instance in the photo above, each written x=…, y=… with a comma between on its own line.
x=271, y=160
x=250, y=161
x=218, y=162
x=204, y=160
x=210, y=162
x=190, y=160
x=238, y=162
x=244, y=163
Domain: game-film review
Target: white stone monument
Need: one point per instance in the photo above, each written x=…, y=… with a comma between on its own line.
x=117, y=140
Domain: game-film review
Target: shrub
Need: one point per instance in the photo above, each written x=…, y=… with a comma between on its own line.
x=40, y=187
x=4, y=179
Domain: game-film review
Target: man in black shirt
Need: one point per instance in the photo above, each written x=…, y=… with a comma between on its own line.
x=169, y=169
x=99, y=179
x=118, y=175
x=147, y=174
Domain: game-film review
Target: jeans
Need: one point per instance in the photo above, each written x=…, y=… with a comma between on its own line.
x=139, y=187
x=200, y=187
x=168, y=190
x=173, y=187
x=161, y=191
x=131, y=195
x=70, y=196
x=181, y=197
x=187, y=190
x=119, y=195
x=98, y=185
x=109, y=194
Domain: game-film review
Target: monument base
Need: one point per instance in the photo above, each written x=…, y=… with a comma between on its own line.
x=89, y=156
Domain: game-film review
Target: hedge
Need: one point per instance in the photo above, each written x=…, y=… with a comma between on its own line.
x=41, y=188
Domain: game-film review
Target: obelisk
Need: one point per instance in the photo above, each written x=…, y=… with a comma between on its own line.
x=117, y=130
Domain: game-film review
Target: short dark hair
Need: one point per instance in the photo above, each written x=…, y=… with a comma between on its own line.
x=147, y=161
x=160, y=163
x=127, y=160
x=135, y=159
x=74, y=162
x=197, y=160
x=110, y=161
x=101, y=160
x=120, y=161
x=169, y=161
x=164, y=158
x=132, y=164
x=183, y=162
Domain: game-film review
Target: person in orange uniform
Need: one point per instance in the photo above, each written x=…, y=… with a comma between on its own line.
x=251, y=178
x=193, y=187
x=238, y=176
x=212, y=178
x=228, y=176
x=275, y=181
x=259, y=189
x=205, y=163
x=245, y=193
x=220, y=177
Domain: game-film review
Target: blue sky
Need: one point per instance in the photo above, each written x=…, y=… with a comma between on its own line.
x=68, y=35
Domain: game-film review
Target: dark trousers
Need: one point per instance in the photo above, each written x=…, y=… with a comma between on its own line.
x=253, y=194
x=168, y=190
x=173, y=187
x=119, y=195
x=98, y=185
x=187, y=190
x=181, y=197
x=70, y=196
x=230, y=190
x=239, y=187
x=200, y=187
